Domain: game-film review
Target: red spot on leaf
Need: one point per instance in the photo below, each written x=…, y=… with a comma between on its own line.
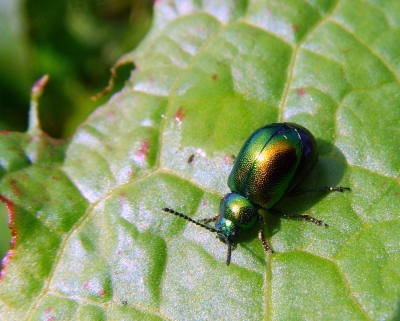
x=4, y=131
x=215, y=77
x=86, y=284
x=48, y=310
x=179, y=115
x=111, y=114
x=203, y=202
x=295, y=27
x=144, y=147
x=143, y=150
x=50, y=319
x=122, y=198
x=11, y=220
x=14, y=187
x=227, y=159
x=101, y=292
x=301, y=91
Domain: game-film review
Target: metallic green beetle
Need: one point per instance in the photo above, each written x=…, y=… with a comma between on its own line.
x=273, y=160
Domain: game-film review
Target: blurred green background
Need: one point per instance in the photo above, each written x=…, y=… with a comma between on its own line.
x=75, y=42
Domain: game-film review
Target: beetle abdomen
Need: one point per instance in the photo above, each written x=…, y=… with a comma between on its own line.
x=267, y=164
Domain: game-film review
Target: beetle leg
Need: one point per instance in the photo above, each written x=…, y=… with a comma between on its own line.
x=303, y=217
x=261, y=236
x=229, y=254
x=211, y=219
x=320, y=189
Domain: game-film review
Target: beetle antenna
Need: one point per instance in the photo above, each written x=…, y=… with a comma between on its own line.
x=211, y=229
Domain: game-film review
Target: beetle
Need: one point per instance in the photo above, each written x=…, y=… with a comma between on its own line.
x=272, y=162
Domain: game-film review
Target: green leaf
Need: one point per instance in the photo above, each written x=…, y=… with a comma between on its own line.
x=90, y=238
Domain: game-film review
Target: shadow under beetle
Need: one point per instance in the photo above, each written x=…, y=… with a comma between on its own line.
x=272, y=162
